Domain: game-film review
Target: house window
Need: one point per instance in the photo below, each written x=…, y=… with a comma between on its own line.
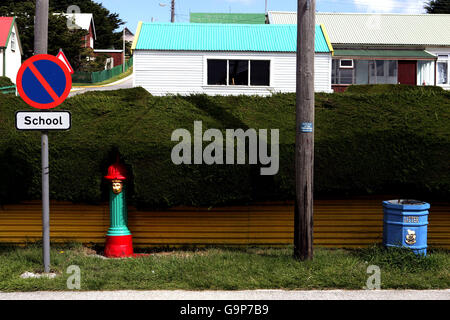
x=346, y=64
x=217, y=72
x=365, y=72
x=393, y=68
x=109, y=63
x=380, y=68
x=13, y=41
x=238, y=75
x=442, y=69
x=341, y=75
x=238, y=72
x=260, y=73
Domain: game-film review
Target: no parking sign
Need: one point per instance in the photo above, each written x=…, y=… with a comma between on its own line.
x=43, y=82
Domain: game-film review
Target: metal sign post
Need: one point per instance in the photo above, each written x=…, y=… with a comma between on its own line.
x=40, y=47
x=45, y=203
x=44, y=82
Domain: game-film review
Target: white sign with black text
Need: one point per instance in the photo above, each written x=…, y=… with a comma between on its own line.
x=43, y=121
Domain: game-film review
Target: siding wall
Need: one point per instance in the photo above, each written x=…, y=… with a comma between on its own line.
x=13, y=59
x=437, y=51
x=168, y=72
x=337, y=223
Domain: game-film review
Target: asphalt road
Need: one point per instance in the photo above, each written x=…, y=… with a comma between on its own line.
x=125, y=83
x=234, y=295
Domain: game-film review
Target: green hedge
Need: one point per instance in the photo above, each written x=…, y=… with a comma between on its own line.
x=5, y=82
x=395, y=141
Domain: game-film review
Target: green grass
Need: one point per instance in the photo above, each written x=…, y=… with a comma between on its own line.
x=113, y=79
x=226, y=269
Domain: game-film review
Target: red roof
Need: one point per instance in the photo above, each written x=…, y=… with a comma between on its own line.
x=5, y=28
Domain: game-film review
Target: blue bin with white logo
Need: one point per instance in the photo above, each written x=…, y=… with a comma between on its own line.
x=405, y=225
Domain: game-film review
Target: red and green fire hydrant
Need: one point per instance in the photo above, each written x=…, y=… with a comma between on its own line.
x=119, y=241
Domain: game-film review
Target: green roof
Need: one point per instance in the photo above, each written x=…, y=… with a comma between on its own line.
x=239, y=18
x=411, y=54
x=222, y=37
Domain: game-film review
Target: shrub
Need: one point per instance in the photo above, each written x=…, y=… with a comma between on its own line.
x=391, y=142
x=5, y=82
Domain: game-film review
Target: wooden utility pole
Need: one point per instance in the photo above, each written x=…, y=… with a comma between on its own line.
x=304, y=142
x=40, y=47
x=172, y=15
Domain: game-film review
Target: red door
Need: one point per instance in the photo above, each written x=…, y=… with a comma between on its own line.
x=407, y=72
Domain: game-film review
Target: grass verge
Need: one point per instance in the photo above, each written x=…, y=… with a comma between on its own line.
x=225, y=269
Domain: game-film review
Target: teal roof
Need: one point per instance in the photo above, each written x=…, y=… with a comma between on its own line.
x=223, y=37
x=247, y=18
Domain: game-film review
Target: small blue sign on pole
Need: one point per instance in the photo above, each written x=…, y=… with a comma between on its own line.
x=306, y=127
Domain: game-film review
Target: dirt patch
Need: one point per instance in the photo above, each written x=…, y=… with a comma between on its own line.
x=87, y=251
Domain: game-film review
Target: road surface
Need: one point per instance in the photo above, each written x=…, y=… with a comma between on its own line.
x=125, y=83
x=234, y=295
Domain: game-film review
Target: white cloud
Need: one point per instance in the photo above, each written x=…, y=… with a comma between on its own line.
x=376, y=6
x=387, y=6
x=414, y=6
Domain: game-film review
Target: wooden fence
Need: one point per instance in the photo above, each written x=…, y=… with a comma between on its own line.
x=337, y=223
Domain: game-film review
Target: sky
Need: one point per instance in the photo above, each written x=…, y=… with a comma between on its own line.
x=133, y=11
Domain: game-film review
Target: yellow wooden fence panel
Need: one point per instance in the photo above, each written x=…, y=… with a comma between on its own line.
x=337, y=223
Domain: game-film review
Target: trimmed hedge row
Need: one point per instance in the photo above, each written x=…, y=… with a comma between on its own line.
x=395, y=141
x=5, y=82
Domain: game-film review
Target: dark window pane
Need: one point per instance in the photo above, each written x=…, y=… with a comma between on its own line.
x=380, y=68
x=238, y=73
x=442, y=72
x=372, y=68
x=392, y=68
x=345, y=76
x=347, y=63
x=217, y=72
x=260, y=73
x=334, y=72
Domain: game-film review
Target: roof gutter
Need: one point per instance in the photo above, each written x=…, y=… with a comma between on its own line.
x=136, y=38
x=327, y=39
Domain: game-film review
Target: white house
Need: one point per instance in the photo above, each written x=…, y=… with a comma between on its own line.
x=10, y=48
x=373, y=48
x=223, y=59
x=84, y=21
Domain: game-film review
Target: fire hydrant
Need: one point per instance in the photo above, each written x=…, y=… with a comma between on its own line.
x=119, y=241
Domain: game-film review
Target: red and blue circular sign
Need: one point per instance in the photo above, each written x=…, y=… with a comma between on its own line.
x=44, y=81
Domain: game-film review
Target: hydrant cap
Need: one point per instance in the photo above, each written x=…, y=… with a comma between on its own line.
x=116, y=172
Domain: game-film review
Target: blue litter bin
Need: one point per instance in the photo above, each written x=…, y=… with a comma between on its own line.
x=405, y=224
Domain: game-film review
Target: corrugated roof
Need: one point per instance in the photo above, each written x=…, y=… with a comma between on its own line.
x=416, y=54
x=239, y=18
x=5, y=29
x=222, y=37
x=378, y=29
